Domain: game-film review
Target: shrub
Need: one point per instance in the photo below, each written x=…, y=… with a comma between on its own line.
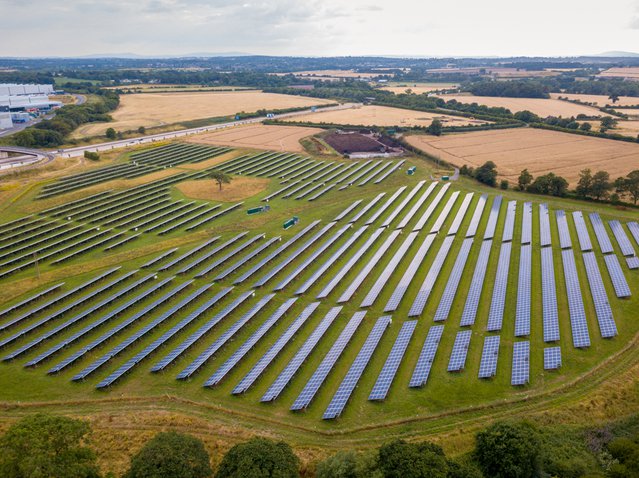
x=259, y=458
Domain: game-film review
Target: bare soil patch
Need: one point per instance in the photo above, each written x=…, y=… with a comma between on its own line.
x=239, y=188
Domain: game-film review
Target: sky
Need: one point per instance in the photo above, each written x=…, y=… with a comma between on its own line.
x=318, y=27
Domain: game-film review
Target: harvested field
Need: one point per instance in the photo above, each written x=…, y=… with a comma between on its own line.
x=598, y=100
x=496, y=72
x=150, y=110
x=336, y=74
x=538, y=150
x=540, y=106
x=383, y=116
x=627, y=72
x=207, y=189
x=417, y=88
x=259, y=136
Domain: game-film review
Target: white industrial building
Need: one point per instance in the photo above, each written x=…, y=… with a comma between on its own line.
x=20, y=103
x=14, y=89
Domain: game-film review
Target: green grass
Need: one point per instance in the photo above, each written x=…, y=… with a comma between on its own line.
x=447, y=405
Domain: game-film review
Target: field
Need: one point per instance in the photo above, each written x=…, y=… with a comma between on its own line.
x=496, y=72
x=598, y=100
x=150, y=110
x=372, y=115
x=335, y=74
x=238, y=190
x=627, y=72
x=538, y=150
x=417, y=88
x=540, y=106
x=166, y=88
x=594, y=385
x=279, y=138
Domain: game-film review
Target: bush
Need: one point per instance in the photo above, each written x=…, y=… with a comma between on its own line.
x=93, y=156
x=400, y=459
x=259, y=458
x=110, y=133
x=169, y=455
x=503, y=184
x=487, y=173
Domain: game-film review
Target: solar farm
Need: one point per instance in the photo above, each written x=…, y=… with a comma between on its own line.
x=391, y=296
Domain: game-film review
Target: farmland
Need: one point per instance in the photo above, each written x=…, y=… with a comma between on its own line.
x=631, y=73
x=160, y=109
x=598, y=100
x=540, y=151
x=540, y=106
x=284, y=138
x=336, y=74
x=417, y=88
x=372, y=115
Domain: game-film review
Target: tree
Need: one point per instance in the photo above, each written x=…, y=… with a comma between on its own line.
x=259, y=458
x=629, y=185
x=45, y=446
x=503, y=184
x=341, y=465
x=92, y=156
x=400, y=459
x=506, y=450
x=141, y=130
x=601, y=185
x=435, y=128
x=608, y=122
x=614, y=98
x=487, y=173
x=525, y=178
x=219, y=177
x=171, y=454
x=585, y=127
x=110, y=133
x=584, y=185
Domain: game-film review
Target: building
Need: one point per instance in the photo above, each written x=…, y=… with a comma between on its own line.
x=5, y=118
x=14, y=89
x=22, y=103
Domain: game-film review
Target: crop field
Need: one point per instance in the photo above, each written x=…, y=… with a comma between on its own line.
x=504, y=72
x=394, y=306
x=540, y=151
x=372, y=115
x=599, y=100
x=159, y=109
x=259, y=136
x=336, y=74
x=417, y=88
x=539, y=106
x=622, y=72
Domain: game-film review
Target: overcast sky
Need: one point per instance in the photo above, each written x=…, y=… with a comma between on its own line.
x=318, y=27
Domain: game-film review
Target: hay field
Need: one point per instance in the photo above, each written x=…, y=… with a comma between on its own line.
x=623, y=72
x=159, y=109
x=540, y=106
x=504, y=72
x=240, y=188
x=599, y=100
x=336, y=74
x=418, y=88
x=259, y=136
x=372, y=115
x=540, y=151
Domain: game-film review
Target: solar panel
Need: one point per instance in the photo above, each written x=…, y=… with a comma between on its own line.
x=337, y=277
x=426, y=357
x=489, y=356
x=323, y=369
x=521, y=363
x=632, y=262
x=476, y=285
x=439, y=222
x=498, y=301
x=421, y=222
x=395, y=167
x=372, y=262
x=188, y=254
x=578, y=322
x=552, y=358
x=522, y=312
x=266, y=359
x=599, y=295
x=457, y=360
x=461, y=214
x=394, y=359
x=348, y=210
x=217, y=344
x=622, y=238
x=384, y=277
x=280, y=191
x=303, y=194
x=354, y=172
x=321, y=270
x=600, y=233
x=254, y=253
x=208, y=254
x=633, y=227
x=296, y=253
x=489, y=233
x=427, y=286
x=229, y=255
x=30, y=299
x=476, y=218
x=312, y=258
x=409, y=274
x=374, y=173
x=246, y=347
x=582, y=231
x=300, y=357
x=562, y=226
x=509, y=224
x=403, y=204
x=385, y=206
x=345, y=389
x=549, y=296
x=526, y=224
x=275, y=253
x=446, y=301
x=367, y=208
x=418, y=204
x=616, y=275
x=544, y=226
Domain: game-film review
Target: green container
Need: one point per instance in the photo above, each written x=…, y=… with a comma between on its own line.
x=411, y=171
x=291, y=222
x=257, y=210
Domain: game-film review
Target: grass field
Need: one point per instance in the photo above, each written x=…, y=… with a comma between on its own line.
x=539, y=106
x=594, y=385
x=538, y=150
x=278, y=138
x=372, y=115
x=150, y=110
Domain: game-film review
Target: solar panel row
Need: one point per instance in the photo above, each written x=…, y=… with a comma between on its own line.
x=421, y=222
x=426, y=357
x=400, y=207
x=446, y=301
x=622, y=289
x=476, y=285
x=578, y=322
x=489, y=232
x=476, y=218
x=526, y=224
x=606, y=321
x=208, y=254
x=552, y=358
x=30, y=299
x=396, y=166
x=367, y=208
x=458, y=355
x=385, y=206
x=418, y=204
x=348, y=210
x=509, y=224
x=522, y=312
x=521, y=363
x=489, y=356
x=498, y=301
x=582, y=231
x=443, y=215
x=600, y=232
x=562, y=226
x=549, y=296
x=229, y=255
x=622, y=238
x=254, y=253
x=461, y=214
x=188, y=254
